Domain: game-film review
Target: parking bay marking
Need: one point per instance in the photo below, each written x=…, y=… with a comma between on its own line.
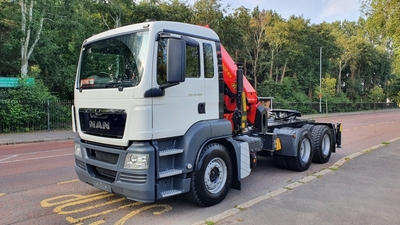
x=75, y=200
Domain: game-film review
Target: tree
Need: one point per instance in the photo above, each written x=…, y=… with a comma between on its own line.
x=235, y=35
x=30, y=23
x=376, y=94
x=276, y=34
x=256, y=40
x=397, y=99
x=208, y=12
x=328, y=86
x=383, y=17
x=9, y=39
x=169, y=9
x=344, y=40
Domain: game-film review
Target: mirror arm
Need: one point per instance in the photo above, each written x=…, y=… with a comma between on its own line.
x=164, y=86
x=158, y=92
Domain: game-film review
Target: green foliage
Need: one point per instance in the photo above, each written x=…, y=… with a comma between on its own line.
x=9, y=39
x=393, y=88
x=327, y=90
x=383, y=22
x=287, y=95
x=339, y=103
x=376, y=94
x=24, y=108
x=281, y=56
x=397, y=99
x=208, y=12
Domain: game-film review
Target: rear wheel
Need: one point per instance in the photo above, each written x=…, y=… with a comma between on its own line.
x=309, y=127
x=322, y=144
x=302, y=161
x=212, y=179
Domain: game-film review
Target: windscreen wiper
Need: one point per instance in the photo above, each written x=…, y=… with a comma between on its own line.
x=118, y=84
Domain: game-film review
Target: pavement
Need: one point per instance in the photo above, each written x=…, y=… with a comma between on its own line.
x=40, y=136
x=362, y=188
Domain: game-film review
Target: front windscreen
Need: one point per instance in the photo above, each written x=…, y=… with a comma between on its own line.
x=114, y=62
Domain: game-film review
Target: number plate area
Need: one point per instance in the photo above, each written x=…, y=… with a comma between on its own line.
x=102, y=185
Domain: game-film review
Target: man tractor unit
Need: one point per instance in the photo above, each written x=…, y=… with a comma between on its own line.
x=161, y=109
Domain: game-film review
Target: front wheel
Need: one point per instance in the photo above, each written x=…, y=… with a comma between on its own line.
x=212, y=179
x=302, y=161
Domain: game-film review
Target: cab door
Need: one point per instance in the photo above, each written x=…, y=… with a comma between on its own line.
x=182, y=105
x=211, y=79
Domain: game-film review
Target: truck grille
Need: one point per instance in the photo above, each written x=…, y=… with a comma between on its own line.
x=80, y=164
x=133, y=178
x=103, y=122
x=102, y=156
x=110, y=176
x=104, y=174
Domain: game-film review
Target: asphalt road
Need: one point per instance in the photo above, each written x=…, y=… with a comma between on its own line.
x=38, y=184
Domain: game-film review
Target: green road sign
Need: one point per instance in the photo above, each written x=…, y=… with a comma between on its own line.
x=8, y=82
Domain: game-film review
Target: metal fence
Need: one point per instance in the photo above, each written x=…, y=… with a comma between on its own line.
x=24, y=116
x=27, y=116
x=315, y=107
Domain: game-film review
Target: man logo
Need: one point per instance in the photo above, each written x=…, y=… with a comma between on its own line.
x=99, y=125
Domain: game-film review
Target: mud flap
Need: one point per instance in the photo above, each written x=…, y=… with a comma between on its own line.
x=339, y=135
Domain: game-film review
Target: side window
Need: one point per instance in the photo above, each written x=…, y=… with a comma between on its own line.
x=162, y=62
x=208, y=60
x=192, y=62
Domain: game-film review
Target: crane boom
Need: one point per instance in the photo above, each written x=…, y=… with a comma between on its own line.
x=253, y=107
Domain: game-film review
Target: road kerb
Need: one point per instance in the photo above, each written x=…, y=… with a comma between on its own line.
x=219, y=217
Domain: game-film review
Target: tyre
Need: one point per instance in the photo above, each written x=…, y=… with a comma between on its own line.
x=309, y=127
x=304, y=157
x=212, y=179
x=322, y=137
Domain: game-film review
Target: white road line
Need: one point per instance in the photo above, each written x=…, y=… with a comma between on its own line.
x=44, y=157
x=30, y=153
x=9, y=157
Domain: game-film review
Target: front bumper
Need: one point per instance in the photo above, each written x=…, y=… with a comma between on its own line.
x=102, y=166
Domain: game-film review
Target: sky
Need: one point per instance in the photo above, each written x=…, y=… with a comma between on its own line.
x=315, y=10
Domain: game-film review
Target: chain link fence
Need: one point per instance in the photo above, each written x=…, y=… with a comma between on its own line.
x=27, y=116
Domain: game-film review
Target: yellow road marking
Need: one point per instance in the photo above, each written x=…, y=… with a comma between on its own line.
x=68, y=201
x=2, y=194
x=59, y=209
x=98, y=222
x=69, y=181
x=133, y=213
x=73, y=220
x=49, y=202
x=94, y=223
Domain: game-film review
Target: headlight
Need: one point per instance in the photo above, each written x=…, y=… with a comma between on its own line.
x=136, y=161
x=78, y=150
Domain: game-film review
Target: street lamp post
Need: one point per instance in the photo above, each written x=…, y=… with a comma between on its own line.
x=320, y=77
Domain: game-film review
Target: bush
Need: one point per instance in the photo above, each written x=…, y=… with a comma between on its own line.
x=25, y=108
